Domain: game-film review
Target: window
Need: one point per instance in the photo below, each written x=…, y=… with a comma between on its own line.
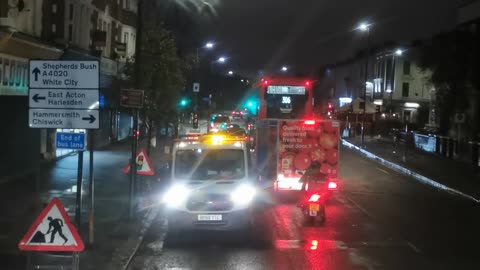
x=54, y=8
x=214, y=164
x=405, y=89
x=125, y=38
x=406, y=67
x=70, y=32
x=54, y=28
x=71, y=12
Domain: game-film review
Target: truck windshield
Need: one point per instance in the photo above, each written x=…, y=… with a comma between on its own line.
x=213, y=164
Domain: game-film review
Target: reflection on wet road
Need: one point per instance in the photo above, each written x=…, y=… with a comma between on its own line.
x=380, y=220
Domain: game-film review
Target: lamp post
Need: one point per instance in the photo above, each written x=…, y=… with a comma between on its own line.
x=209, y=46
x=397, y=53
x=365, y=27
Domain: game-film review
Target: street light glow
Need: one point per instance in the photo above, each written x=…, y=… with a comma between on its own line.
x=398, y=52
x=222, y=59
x=230, y=72
x=363, y=27
x=284, y=68
x=209, y=45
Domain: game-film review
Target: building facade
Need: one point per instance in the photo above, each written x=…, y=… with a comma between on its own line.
x=395, y=87
x=103, y=30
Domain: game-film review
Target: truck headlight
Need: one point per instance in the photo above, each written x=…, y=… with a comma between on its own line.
x=176, y=195
x=243, y=195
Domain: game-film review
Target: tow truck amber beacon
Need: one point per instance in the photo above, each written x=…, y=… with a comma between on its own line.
x=211, y=188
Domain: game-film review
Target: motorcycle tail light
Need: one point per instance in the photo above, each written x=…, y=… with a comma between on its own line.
x=332, y=186
x=314, y=198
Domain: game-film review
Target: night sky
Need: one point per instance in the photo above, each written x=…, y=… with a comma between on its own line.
x=306, y=34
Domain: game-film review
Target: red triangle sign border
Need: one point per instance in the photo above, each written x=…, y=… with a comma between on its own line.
x=24, y=245
x=126, y=169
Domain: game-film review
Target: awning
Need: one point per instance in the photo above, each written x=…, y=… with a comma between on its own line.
x=25, y=46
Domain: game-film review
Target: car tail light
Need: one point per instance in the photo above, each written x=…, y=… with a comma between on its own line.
x=332, y=185
x=309, y=122
x=314, y=198
x=314, y=245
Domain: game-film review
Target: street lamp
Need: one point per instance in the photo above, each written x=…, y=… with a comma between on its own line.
x=209, y=45
x=365, y=27
x=284, y=69
x=230, y=72
x=220, y=60
x=398, y=52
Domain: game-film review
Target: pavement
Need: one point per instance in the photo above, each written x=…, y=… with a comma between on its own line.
x=380, y=219
x=115, y=238
x=456, y=175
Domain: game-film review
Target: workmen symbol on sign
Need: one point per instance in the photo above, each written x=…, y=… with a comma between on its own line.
x=56, y=225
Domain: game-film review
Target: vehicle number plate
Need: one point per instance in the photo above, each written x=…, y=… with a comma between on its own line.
x=314, y=207
x=209, y=217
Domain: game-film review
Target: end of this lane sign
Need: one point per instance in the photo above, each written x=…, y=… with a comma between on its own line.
x=70, y=140
x=64, y=74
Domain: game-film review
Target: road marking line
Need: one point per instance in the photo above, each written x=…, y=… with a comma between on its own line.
x=382, y=170
x=413, y=247
x=359, y=207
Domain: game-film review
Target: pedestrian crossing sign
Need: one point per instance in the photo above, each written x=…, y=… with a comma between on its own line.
x=144, y=165
x=52, y=231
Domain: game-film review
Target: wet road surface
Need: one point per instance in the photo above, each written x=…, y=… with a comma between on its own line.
x=380, y=220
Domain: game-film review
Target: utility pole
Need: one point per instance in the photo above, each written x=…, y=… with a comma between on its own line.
x=365, y=88
x=138, y=60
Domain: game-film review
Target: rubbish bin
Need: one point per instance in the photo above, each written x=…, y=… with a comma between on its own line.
x=475, y=147
x=449, y=147
x=443, y=145
x=437, y=144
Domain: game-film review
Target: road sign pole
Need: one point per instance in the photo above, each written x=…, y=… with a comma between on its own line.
x=133, y=164
x=76, y=261
x=78, y=202
x=91, y=232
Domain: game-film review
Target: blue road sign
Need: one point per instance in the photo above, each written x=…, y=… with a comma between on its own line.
x=73, y=141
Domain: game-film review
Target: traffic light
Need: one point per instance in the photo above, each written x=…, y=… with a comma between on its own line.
x=195, y=121
x=183, y=102
x=330, y=110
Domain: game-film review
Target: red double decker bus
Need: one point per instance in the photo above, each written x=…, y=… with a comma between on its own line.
x=286, y=98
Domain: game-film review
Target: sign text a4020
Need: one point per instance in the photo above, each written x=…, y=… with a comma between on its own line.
x=54, y=74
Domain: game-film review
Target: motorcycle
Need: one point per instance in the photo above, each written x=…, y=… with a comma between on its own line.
x=314, y=200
